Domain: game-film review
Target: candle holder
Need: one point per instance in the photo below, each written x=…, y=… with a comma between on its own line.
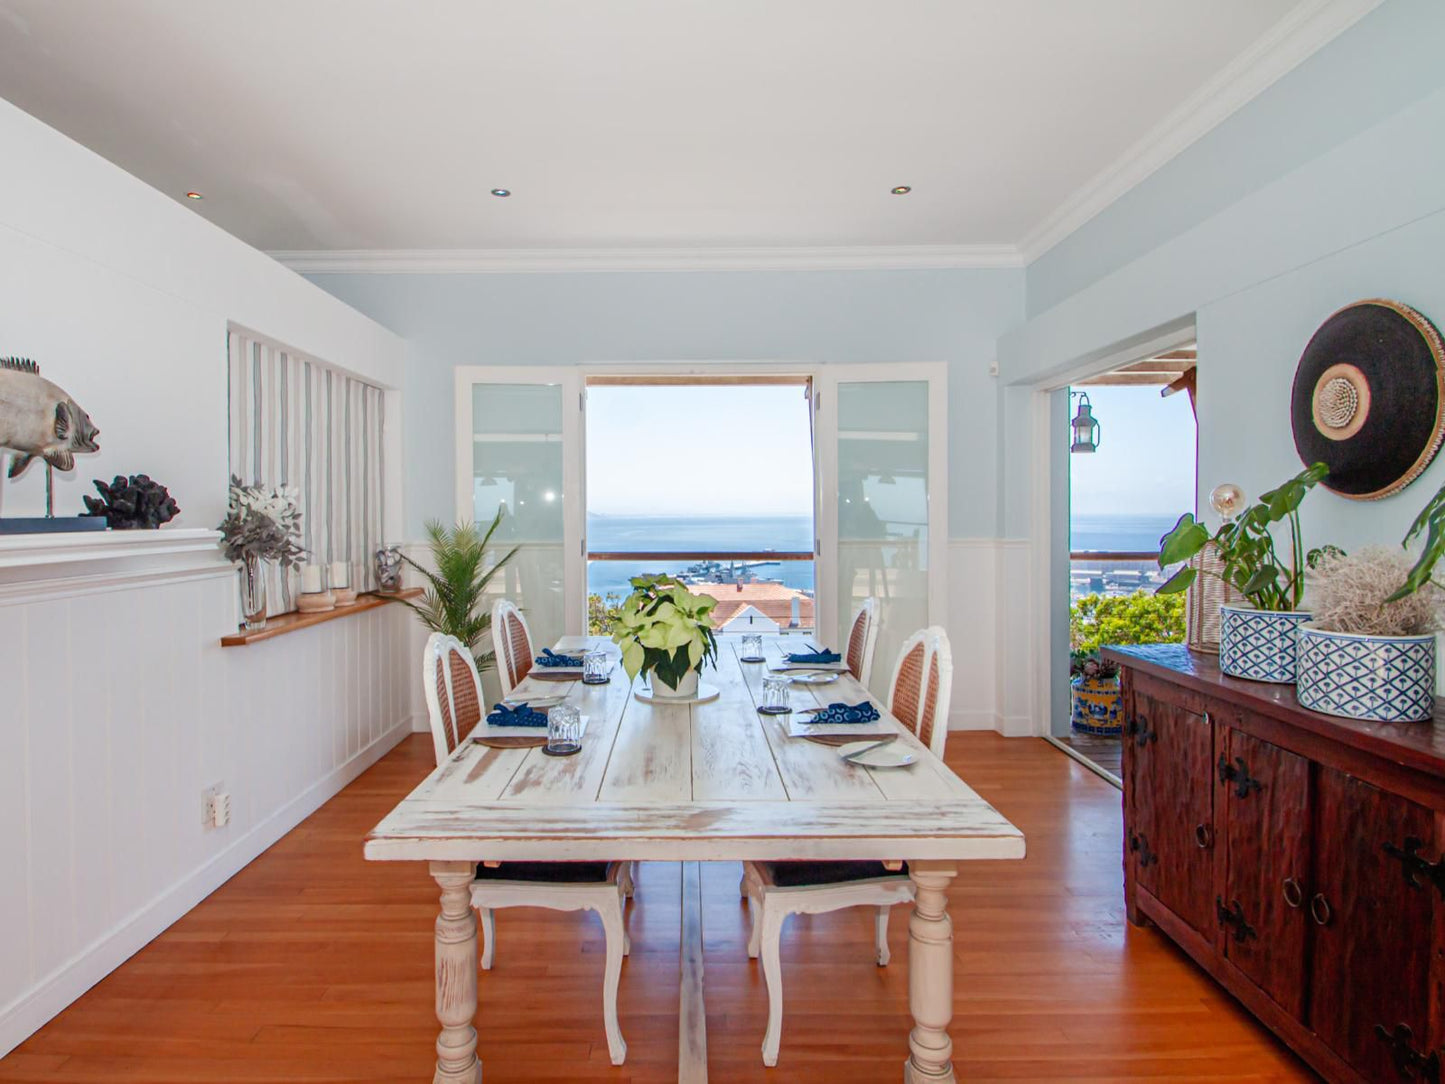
x=341, y=588
x=315, y=597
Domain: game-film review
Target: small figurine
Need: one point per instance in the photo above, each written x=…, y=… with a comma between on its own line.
x=39, y=420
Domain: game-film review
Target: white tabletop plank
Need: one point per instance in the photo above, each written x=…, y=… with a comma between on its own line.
x=731, y=758
x=544, y=780
x=652, y=755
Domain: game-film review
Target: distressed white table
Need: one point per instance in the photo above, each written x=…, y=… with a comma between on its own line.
x=693, y=783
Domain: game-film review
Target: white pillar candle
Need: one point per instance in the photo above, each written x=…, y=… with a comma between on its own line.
x=311, y=579
x=340, y=574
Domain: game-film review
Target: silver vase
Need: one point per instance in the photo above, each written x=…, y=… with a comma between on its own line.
x=253, y=592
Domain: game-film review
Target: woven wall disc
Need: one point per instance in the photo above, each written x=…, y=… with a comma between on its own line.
x=1369, y=398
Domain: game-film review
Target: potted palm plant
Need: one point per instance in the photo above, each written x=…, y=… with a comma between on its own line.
x=666, y=631
x=1368, y=654
x=457, y=584
x=1257, y=640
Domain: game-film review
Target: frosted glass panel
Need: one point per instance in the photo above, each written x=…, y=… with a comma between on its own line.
x=517, y=468
x=883, y=489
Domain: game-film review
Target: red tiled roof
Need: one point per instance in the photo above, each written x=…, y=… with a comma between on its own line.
x=773, y=600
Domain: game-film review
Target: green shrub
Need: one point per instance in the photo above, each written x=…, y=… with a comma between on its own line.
x=1140, y=618
x=602, y=613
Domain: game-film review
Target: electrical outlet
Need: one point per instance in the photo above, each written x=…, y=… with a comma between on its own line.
x=208, y=804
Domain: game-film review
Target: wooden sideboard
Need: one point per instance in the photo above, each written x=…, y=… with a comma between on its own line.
x=1295, y=856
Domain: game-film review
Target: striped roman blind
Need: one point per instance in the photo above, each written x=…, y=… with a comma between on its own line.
x=299, y=422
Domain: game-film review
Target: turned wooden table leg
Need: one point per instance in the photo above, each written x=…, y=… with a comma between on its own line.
x=456, y=960
x=930, y=975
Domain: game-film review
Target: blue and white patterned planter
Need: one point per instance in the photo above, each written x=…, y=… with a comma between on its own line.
x=1259, y=644
x=1385, y=678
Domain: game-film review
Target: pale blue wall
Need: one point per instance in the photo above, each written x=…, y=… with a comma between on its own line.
x=1388, y=60
x=811, y=316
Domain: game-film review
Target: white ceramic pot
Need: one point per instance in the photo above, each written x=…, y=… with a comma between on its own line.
x=1388, y=679
x=1259, y=644
x=686, y=688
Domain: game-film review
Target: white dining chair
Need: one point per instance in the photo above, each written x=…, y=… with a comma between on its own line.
x=512, y=644
x=862, y=639
x=919, y=695
x=454, y=702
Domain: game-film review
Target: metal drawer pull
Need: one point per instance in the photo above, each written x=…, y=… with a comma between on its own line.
x=1294, y=895
x=1203, y=836
x=1320, y=909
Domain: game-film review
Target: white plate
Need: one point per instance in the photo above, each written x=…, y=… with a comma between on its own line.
x=814, y=679
x=891, y=755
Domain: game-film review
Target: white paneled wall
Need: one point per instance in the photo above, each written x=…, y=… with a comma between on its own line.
x=117, y=707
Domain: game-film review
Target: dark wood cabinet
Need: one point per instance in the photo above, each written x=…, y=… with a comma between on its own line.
x=1297, y=857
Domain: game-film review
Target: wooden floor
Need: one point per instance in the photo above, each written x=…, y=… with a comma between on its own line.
x=1106, y=752
x=313, y=966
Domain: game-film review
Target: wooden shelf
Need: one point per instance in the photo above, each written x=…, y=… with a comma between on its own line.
x=295, y=622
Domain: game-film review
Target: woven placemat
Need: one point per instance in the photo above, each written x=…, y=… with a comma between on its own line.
x=509, y=741
x=539, y=674
x=844, y=739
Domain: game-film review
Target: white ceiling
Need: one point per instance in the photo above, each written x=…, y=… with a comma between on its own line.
x=375, y=124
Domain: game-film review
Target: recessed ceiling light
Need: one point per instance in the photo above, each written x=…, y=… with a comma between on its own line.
x=194, y=195
x=901, y=190
x=503, y=192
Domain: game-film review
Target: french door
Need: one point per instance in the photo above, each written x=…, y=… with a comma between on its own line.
x=880, y=473
x=519, y=452
x=881, y=451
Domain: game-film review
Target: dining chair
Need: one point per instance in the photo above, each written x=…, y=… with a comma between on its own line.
x=862, y=639
x=512, y=644
x=919, y=694
x=454, y=703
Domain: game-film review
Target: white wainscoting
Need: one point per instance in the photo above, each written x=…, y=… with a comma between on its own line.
x=989, y=634
x=117, y=707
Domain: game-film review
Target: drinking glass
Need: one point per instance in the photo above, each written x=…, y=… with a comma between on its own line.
x=564, y=730
x=775, y=695
x=752, y=648
x=596, y=668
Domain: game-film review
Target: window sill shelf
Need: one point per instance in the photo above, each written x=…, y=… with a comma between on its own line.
x=295, y=622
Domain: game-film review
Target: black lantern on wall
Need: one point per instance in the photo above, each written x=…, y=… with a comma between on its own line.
x=1085, y=427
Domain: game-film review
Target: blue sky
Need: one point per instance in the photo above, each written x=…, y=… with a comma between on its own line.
x=1146, y=456
x=748, y=451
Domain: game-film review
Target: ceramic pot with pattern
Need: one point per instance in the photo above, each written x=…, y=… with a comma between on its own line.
x=1387, y=679
x=1098, y=705
x=1259, y=645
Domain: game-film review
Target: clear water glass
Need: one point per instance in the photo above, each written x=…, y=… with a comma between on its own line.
x=596, y=668
x=776, y=690
x=752, y=647
x=564, y=730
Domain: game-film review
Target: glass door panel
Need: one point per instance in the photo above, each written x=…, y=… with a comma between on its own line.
x=522, y=440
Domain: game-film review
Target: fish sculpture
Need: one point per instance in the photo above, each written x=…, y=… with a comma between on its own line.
x=39, y=420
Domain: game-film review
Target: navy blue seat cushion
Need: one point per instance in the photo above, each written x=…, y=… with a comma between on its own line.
x=570, y=873
x=798, y=874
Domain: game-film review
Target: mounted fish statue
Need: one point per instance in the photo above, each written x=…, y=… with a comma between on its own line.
x=39, y=420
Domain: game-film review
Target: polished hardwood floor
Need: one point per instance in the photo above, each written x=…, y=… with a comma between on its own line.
x=313, y=965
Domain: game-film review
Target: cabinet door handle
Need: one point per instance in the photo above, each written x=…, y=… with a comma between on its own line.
x=1416, y=867
x=1320, y=909
x=1294, y=895
x=1140, y=732
x=1409, y=1063
x=1203, y=836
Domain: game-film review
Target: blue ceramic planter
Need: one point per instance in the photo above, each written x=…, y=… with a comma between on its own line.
x=1259, y=644
x=1384, y=678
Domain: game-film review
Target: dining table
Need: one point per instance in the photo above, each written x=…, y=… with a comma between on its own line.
x=713, y=780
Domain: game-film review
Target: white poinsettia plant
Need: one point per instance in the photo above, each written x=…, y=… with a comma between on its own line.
x=664, y=627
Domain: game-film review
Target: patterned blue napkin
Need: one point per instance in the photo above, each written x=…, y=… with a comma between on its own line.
x=806, y=657
x=551, y=658
x=521, y=715
x=862, y=712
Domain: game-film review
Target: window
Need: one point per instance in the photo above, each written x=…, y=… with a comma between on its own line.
x=299, y=422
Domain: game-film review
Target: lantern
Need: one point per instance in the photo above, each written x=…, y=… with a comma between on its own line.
x=1085, y=427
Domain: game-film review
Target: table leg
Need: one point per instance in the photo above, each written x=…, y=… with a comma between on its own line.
x=930, y=975
x=456, y=968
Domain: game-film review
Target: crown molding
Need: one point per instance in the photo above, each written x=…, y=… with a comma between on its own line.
x=1307, y=28
x=505, y=261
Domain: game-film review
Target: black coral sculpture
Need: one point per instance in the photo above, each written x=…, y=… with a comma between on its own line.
x=134, y=502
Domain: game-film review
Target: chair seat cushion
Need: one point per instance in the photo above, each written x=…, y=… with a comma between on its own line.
x=568, y=873
x=800, y=874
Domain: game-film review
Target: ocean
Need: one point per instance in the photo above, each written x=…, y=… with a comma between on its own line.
x=609, y=533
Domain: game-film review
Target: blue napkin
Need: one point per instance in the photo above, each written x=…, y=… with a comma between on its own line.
x=806, y=657
x=862, y=712
x=521, y=715
x=551, y=658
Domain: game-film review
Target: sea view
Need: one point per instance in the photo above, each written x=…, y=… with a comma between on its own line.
x=626, y=533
